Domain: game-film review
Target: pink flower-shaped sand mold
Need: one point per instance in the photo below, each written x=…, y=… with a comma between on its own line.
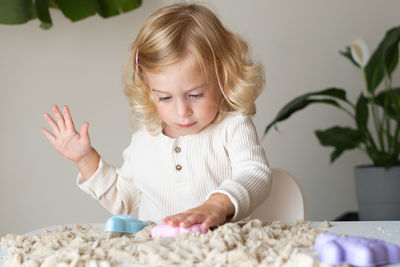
x=165, y=230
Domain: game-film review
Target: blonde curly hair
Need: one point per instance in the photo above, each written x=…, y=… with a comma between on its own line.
x=167, y=36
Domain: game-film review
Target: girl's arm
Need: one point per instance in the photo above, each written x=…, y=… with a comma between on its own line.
x=71, y=144
x=251, y=182
x=88, y=164
x=248, y=188
x=116, y=194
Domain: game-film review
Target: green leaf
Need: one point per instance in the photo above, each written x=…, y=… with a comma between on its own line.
x=21, y=11
x=53, y=4
x=303, y=101
x=341, y=138
x=42, y=11
x=392, y=97
x=392, y=51
x=110, y=8
x=384, y=59
x=16, y=11
x=392, y=60
x=335, y=154
x=347, y=54
x=78, y=9
x=294, y=106
x=334, y=92
x=377, y=157
x=383, y=159
x=362, y=113
x=128, y=5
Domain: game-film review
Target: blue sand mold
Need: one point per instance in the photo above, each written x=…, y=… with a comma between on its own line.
x=122, y=223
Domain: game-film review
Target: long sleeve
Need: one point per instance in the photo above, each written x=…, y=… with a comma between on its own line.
x=113, y=188
x=250, y=183
x=166, y=176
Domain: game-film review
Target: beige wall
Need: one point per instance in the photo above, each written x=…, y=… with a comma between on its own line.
x=80, y=64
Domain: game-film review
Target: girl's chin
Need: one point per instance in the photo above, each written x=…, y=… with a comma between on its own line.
x=179, y=131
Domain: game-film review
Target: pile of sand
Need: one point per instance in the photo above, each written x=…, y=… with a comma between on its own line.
x=232, y=244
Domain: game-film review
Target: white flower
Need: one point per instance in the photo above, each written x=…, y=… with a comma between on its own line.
x=360, y=52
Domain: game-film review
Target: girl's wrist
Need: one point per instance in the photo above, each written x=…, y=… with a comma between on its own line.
x=88, y=157
x=88, y=164
x=222, y=203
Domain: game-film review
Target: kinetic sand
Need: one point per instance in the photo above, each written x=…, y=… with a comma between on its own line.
x=233, y=244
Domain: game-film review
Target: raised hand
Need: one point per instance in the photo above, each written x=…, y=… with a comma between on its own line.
x=66, y=140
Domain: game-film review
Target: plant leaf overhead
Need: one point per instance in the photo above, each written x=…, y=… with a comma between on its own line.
x=16, y=11
x=22, y=11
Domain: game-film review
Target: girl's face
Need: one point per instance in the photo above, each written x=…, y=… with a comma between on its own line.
x=184, y=102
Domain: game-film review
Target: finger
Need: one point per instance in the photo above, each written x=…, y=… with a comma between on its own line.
x=53, y=125
x=59, y=117
x=210, y=221
x=166, y=220
x=49, y=136
x=84, y=133
x=69, y=123
x=174, y=221
x=177, y=219
x=193, y=219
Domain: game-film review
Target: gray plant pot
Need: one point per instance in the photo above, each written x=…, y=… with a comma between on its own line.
x=378, y=193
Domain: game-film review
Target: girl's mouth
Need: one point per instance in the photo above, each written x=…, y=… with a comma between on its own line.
x=186, y=125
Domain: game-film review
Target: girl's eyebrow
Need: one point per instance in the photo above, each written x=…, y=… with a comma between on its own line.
x=194, y=88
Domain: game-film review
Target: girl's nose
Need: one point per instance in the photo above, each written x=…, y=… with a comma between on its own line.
x=183, y=108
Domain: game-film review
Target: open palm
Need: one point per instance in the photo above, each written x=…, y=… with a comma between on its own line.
x=65, y=138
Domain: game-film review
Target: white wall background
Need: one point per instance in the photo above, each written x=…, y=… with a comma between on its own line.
x=80, y=64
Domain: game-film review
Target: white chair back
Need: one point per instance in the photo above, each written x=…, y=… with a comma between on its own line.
x=285, y=202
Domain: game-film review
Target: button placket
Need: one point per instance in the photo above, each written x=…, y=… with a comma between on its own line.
x=179, y=166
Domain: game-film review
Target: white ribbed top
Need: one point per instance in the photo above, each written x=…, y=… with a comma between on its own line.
x=225, y=157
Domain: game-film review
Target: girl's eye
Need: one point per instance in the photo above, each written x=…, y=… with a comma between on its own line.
x=196, y=95
x=164, y=98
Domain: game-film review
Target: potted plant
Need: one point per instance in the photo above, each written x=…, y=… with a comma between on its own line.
x=376, y=130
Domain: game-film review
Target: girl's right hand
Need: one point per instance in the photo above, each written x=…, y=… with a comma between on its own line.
x=66, y=140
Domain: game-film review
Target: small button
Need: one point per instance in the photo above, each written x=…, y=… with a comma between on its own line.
x=177, y=149
x=178, y=167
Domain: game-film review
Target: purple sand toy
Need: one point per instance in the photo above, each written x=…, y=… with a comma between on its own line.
x=357, y=251
x=165, y=230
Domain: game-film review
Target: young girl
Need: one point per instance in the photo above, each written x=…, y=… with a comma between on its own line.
x=195, y=157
